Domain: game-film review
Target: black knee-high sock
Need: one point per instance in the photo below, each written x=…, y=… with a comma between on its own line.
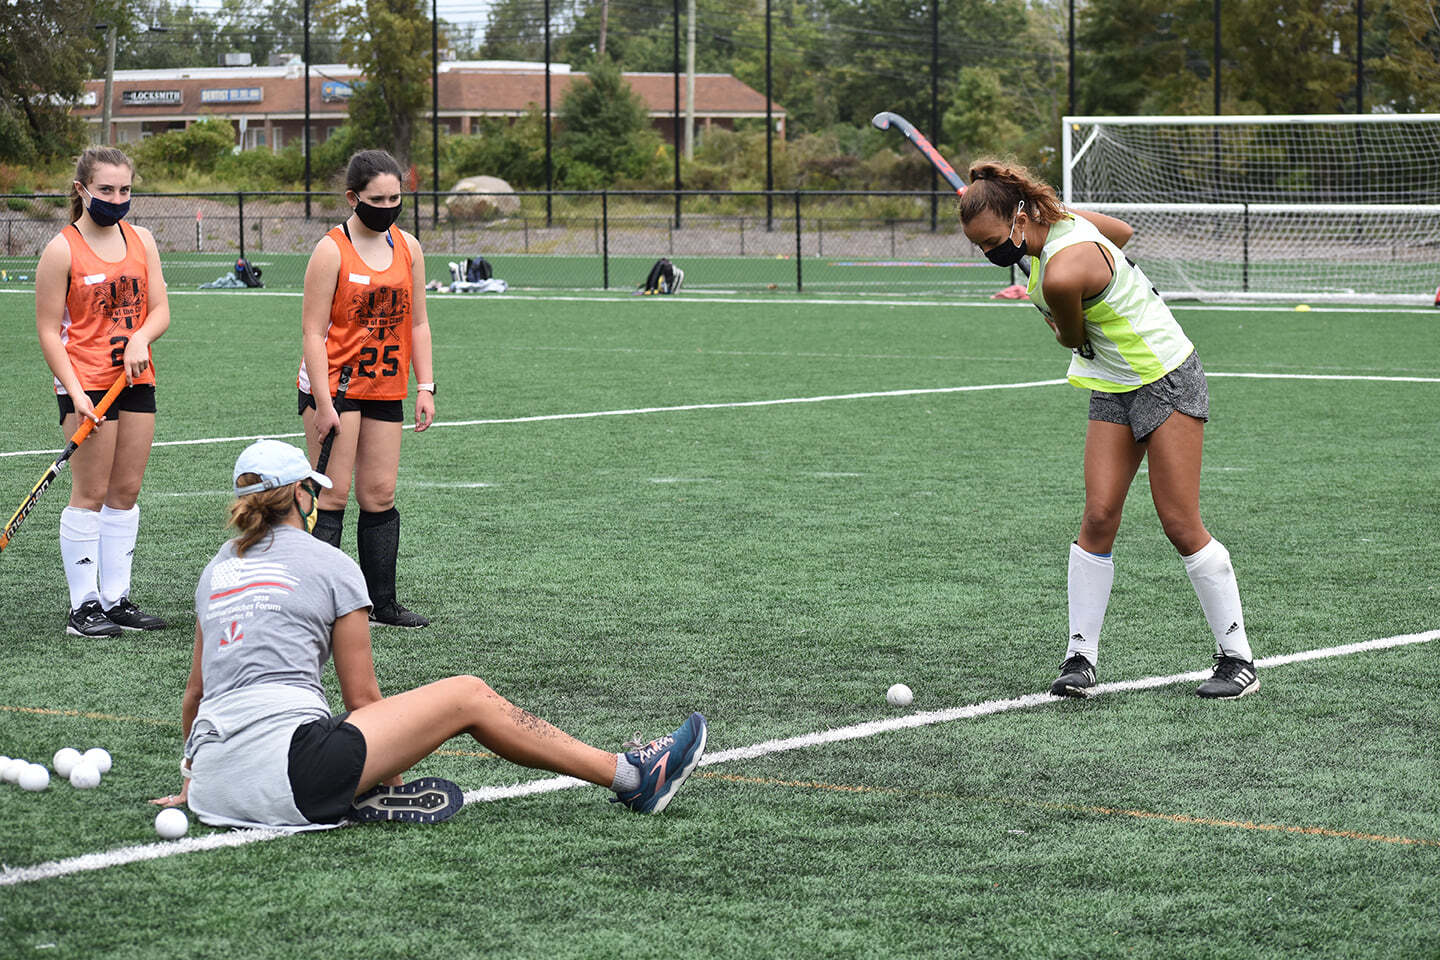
x=379, y=539
x=329, y=524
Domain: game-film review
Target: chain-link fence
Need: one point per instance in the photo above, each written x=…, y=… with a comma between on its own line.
x=858, y=243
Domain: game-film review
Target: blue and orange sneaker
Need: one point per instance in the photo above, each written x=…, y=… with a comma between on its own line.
x=664, y=764
x=422, y=800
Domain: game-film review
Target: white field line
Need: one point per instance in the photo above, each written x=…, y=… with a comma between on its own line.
x=13, y=876
x=1324, y=376
x=681, y=408
x=1367, y=309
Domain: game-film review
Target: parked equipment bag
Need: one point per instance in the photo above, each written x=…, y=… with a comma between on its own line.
x=664, y=278
x=478, y=270
x=248, y=274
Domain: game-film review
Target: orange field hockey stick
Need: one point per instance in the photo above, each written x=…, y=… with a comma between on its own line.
x=53, y=471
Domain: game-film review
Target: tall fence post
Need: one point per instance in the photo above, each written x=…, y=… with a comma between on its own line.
x=799, y=276
x=605, y=230
x=415, y=202
x=240, y=197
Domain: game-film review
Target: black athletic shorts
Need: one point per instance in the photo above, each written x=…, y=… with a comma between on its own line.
x=390, y=411
x=326, y=760
x=139, y=398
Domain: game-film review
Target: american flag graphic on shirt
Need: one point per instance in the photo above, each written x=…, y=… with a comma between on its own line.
x=238, y=580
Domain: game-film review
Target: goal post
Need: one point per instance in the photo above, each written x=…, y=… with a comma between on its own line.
x=1321, y=207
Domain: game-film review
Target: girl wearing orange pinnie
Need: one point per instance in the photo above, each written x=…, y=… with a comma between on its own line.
x=364, y=309
x=99, y=304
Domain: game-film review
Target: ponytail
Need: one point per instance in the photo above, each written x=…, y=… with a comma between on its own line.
x=999, y=188
x=255, y=514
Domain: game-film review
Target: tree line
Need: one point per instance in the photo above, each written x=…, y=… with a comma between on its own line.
x=1001, y=68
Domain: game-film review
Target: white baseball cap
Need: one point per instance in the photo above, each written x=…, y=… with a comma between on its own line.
x=277, y=464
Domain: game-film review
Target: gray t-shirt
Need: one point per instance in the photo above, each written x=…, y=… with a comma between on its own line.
x=265, y=622
x=266, y=617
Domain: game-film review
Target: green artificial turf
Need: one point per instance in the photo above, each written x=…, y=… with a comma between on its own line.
x=777, y=567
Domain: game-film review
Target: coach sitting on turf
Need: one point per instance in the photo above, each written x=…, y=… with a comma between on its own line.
x=261, y=747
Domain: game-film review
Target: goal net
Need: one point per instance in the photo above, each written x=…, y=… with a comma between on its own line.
x=1324, y=207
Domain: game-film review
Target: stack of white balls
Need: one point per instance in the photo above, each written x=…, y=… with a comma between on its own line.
x=84, y=771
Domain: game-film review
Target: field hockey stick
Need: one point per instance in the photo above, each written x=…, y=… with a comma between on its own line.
x=323, y=461
x=885, y=120
x=53, y=471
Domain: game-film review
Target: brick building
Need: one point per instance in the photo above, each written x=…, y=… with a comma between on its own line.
x=267, y=104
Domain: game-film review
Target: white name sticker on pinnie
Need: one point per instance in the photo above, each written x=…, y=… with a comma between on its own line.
x=94, y=278
x=360, y=278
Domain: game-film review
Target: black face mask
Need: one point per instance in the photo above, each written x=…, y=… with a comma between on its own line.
x=1009, y=253
x=104, y=213
x=378, y=219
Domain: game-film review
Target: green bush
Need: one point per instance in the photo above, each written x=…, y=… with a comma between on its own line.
x=197, y=149
x=514, y=152
x=263, y=169
x=329, y=159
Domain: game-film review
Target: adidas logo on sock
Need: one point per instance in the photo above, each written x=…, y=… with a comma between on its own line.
x=1233, y=628
x=1077, y=636
x=83, y=560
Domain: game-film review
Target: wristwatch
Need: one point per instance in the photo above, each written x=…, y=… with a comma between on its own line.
x=427, y=387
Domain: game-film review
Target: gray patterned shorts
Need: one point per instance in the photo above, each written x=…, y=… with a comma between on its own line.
x=1145, y=408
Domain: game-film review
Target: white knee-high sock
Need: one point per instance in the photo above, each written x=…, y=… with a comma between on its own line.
x=1090, y=579
x=118, y=529
x=80, y=551
x=1214, y=580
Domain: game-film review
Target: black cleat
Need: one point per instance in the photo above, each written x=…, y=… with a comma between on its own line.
x=423, y=800
x=88, y=620
x=1077, y=677
x=394, y=615
x=127, y=616
x=1232, y=679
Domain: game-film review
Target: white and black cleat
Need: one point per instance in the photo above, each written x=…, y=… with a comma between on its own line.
x=1233, y=678
x=1077, y=678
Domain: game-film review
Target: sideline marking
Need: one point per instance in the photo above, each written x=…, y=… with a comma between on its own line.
x=11, y=876
x=626, y=298
x=680, y=408
x=86, y=715
x=1324, y=376
x=1180, y=818
x=735, y=404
